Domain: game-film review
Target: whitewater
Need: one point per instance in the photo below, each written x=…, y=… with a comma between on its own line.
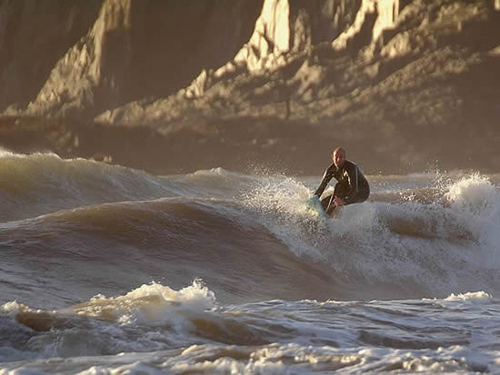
x=111, y=270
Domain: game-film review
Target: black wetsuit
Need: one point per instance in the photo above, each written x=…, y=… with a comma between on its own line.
x=352, y=185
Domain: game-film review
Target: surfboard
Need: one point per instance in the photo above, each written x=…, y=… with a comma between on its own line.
x=314, y=204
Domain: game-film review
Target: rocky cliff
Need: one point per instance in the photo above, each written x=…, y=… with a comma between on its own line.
x=405, y=85
x=119, y=50
x=34, y=35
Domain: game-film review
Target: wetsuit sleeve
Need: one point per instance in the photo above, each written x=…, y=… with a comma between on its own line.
x=327, y=176
x=354, y=187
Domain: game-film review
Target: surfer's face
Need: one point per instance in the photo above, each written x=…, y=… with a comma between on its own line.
x=338, y=158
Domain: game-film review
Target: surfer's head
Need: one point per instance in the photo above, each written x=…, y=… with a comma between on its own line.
x=338, y=157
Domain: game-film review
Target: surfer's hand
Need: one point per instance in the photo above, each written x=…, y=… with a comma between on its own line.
x=338, y=201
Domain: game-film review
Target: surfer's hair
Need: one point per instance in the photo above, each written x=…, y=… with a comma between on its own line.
x=339, y=149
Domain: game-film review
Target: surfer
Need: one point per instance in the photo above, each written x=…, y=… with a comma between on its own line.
x=352, y=186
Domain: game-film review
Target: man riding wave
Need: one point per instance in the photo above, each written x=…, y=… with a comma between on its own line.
x=352, y=185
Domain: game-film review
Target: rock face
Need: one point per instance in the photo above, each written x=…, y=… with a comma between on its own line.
x=131, y=49
x=92, y=73
x=404, y=85
x=34, y=35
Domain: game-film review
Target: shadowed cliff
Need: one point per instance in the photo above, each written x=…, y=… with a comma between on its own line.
x=170, y=86
x=125, y=50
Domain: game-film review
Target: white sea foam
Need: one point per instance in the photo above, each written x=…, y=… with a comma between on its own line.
x=280, y=204
x=5, y=153
x=213, y=171
x=13, y=307
x=477, y=200
x=480, y=297
x=196, y=295
x=280, y=359
x=152, y=304
x=474, y=194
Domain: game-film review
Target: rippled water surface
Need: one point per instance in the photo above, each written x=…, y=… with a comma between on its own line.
x=107, y=269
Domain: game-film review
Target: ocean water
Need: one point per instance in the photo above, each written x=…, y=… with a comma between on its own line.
x=110, y=270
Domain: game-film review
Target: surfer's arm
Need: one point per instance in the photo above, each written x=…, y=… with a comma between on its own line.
x=353, y=174
x=327, y=176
